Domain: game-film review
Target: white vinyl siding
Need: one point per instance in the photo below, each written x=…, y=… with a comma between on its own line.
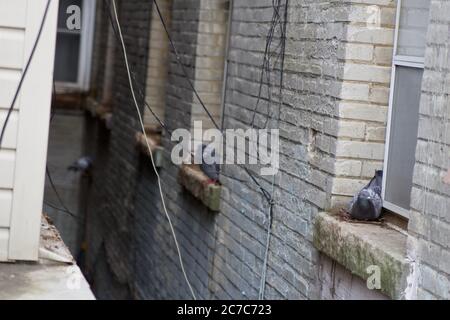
x=23, y=151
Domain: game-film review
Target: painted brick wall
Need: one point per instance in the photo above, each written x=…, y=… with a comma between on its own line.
x=329, y=112
x=332, y=133
x=157, y=269
x=430, y=219
x=362, y=111
x=111, y=224
x=210, y=59
x=99, y=50
x=157, y=72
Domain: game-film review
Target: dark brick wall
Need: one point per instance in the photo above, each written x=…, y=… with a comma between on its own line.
x=110, y=220
x=99, y=50
x=223, y=253
x=158, y=272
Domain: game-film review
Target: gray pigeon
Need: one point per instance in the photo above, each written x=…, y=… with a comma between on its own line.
x=367, y=204
x=82, y=164
x=209, y=166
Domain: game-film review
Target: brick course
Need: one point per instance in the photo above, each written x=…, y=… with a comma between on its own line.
x=332, y=123
x=429, y=222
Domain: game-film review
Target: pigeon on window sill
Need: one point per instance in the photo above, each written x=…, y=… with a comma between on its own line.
x=367, y=203
x=209, y=166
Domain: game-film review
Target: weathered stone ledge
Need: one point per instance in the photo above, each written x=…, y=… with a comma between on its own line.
x=200, y=186
x=154, y=141
x=54, y=277
x=99, y=111
x=357, y=246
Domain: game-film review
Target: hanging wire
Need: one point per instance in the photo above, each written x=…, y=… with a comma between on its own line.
x=183, y=68
x=283, y=27
x=64, y=208
x=24, y=73
x=150, y=150
x=265, y=193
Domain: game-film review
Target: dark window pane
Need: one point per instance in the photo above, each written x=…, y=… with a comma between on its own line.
x=66, y=60
x=403, y=136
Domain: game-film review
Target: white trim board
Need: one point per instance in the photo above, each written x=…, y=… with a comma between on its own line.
x=25, y=146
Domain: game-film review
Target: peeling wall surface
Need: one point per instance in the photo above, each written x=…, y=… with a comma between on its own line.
x=332, y=120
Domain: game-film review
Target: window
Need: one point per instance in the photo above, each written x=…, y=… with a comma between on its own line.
x=74, y=47
x=407, y=71
x=158, y=64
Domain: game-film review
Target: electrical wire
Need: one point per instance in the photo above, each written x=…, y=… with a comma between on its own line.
x=58, y=197
x=59, y=209
x=183, y=68
x=150, y=150
x=266, y=65
x=64, y=208
x=139, y=89
x=265, y=193
x=16, y=94
x=283, y=28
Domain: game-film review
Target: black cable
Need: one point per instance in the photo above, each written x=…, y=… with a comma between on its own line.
x=61, y=202
x=265, y=68
x=49, y=176
x=276, y=19
x=283, y=28
x=178, y=58
x=161, y=123
x=60, y=209
x=264, y=191
x=16, y=94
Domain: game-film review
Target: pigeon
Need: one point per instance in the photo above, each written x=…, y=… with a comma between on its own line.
x=367, y=203
x=83, y=164
x=209, y=166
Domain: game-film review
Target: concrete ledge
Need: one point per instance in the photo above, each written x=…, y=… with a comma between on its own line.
x=199, y=185
x=154, y=140
x=99, y=111
x=54, y=277
x=359, y=245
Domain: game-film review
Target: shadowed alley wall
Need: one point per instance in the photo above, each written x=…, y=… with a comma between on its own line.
x=132, y=253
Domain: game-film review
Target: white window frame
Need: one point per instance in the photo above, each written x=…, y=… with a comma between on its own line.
x=85, y=54
x=397, y=61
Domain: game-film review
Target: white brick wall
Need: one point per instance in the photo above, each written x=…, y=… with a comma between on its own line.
x=362, y=111
x=210, y=59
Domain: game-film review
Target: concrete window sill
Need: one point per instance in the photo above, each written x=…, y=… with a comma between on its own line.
x=154, y=140
x=199, y=185
x=51, y=278
x=357, y=246
x=99, y=111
